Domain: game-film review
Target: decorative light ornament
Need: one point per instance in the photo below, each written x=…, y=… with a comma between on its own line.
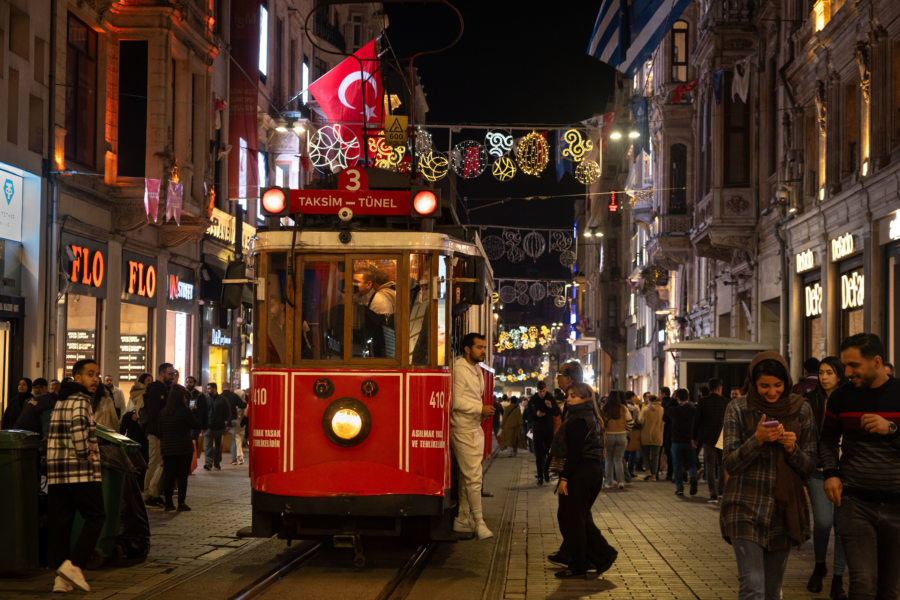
x=534, y=244
x=493, y=246
x=384, y=156
x=468, y=159
x=498, y=143
x=587, y=171
x=533, y=154
x=433, y=165
x=423, y=141
x=503, y=169
x=576, y=145
x=332, y=147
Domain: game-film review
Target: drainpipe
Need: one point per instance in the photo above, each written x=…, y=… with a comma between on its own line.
x=49, y=270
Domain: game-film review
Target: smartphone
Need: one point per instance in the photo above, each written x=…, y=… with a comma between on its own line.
x=771, y=423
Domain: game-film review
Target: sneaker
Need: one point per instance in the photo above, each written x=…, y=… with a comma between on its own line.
x=61, y=585
x=679, y=492
x=240, y=461
x=234, y=462
x=73, y=575
x=621, y=485
x=463, y=526
x=183, y=507
x=713, y=500
x=693, y=487
x=482, y=532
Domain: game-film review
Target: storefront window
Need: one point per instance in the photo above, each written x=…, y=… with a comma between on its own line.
x=178, y=342
x=442, y=311
x=133, y=344
x=81, y=331
x=419, y=306
x=374, y=308
x=321, y=333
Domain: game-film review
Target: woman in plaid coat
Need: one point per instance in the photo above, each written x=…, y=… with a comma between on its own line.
x=770, y=450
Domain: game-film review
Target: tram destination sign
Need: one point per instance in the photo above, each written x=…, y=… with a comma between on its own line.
x=361, y=202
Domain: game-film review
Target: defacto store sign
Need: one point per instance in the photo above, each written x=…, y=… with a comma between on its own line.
x=85, y=265
x=813, y=300
x=889, y=228
x=852, y=290
x=805, y=261
x=842, y=247
x=138, y=279
x=11, y=203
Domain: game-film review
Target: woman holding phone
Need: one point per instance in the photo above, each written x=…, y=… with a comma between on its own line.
x=770, y=451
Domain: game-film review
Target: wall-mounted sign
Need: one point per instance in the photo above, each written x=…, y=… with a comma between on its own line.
x=220, y=338
x=80, y=343
x=852, y=290
x=11, y=203
x=85, y=266
x=813, y=300
x=842, y=247
x=889, y=228
x=132, y=356
x=180, y=288
x=223, y=227
x=806, y=260
x=138, y=279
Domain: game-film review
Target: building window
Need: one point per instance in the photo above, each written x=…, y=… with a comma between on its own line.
x=81, y=90
x=356, y=32
x=647, y=169
x=680, y=51
x=737, y=139
x=678, y=180
x=263, y=42
x=304, y=79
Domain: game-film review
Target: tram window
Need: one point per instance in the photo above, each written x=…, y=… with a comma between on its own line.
x=442, y=311
x=322, y=322
x=419, y=308
x=276, y=307
x=374, y=307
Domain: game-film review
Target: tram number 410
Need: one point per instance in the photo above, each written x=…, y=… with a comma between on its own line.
x=259, y=396
x=437, y=400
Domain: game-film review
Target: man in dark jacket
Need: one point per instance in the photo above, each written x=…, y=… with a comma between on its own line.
x=540, y=412
x=219, y=417
x=197, y=403
x=683, y=456
x=810, y=377
x=236, y=407
x=667, y=402
x=154, y=400
x=37, y=410
x=708, y=422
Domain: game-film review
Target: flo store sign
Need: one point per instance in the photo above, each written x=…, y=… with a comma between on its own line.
x=85, y=263
x=139, y=279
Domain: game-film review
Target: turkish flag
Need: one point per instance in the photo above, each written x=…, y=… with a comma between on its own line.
x=350, y=94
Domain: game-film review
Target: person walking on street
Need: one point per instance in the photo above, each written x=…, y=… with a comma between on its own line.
x=197, y=403
x=667, y=402
x=831, y=377
x=466, y=435
x=511, y=434
x=136, y=394
x=770, y=448
x=73, y=477
x=580, y=443
x=236, y=408
x=618, y=424
x=810, y=377
x=683, y=455
x=707, y=427
x=32, y=417
x=860, y=453
x=154, y=400
x=176, y=424
x=541, y=410
x=651, y=420
x=219, y=418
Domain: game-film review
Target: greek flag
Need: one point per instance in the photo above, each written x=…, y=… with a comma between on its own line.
x=628, y=31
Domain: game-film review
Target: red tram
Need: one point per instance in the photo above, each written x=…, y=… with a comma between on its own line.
x=351, y=378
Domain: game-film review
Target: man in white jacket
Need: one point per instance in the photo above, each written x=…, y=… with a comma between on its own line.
x=466, y=435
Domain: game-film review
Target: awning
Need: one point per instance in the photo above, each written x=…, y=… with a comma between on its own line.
x=627, y=32
x=716, y=349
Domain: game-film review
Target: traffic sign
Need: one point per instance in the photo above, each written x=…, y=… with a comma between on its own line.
x=395, y=129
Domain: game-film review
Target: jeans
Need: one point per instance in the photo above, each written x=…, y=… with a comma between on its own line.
x=823, y=518
x=214, y=447
x=176, y=468
x=615, y=455
x=683, y=457
x=237, y=441
x=715, y=472
x=871, y=535
x=760, y=572
x=154, y=469
x=583, y=541
x=652, y=454
x=62, y=502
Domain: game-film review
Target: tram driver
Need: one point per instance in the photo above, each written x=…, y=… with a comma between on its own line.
x=376, y=296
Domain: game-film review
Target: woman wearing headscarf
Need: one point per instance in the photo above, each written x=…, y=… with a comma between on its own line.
x=16, y=404
x=511, y=434
x=770, y=450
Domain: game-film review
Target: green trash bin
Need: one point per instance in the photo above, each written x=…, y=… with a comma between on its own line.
x=113, y=483
x=20, y=474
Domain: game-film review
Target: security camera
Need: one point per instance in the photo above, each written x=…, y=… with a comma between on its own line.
x=345, y=214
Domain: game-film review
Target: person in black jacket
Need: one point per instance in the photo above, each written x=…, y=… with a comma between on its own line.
x=708, y=421
x=219, y=417
x=176, y=445
x=196, y=401
x=683, y=456
x=580, y=442
x=154, y=401
x=540, y=412
x=16, y=404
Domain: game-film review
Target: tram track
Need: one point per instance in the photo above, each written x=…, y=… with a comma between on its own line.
x=256, y=588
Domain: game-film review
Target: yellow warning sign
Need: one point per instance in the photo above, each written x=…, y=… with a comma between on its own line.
x=395, y=129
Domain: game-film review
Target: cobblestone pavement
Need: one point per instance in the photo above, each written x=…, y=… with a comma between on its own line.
x=669, y=546
x=182, y=543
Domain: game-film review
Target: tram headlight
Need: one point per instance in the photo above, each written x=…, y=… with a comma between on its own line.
x=346, y=422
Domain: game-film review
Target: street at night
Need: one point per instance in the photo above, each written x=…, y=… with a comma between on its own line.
x=449, y=299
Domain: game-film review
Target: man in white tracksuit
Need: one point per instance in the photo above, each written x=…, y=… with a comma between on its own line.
x=466, y=435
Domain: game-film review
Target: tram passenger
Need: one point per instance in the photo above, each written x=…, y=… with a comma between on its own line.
x=378, y=298
x=466, y=435
x=770, y=450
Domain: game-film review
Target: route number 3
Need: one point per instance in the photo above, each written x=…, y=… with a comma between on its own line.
x=259, y=396
x=352, y=184
x=437, y=400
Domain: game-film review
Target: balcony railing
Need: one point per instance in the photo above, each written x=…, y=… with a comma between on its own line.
x=328, y=33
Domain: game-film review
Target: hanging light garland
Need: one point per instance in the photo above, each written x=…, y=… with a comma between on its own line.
x=333, y=147
x=577, y=145
x=498, y=143
x=524, y=338
x=533, y=154
x=469, y=159
x=384, y=156
x=433, y=165
x=587, y=172
x=503, y=169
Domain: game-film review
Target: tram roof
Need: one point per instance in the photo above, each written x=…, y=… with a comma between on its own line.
x=374, y=241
